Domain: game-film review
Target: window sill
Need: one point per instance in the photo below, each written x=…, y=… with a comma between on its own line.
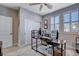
x=71, y=33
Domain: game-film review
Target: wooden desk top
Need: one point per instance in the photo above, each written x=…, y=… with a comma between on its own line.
x=54, y=40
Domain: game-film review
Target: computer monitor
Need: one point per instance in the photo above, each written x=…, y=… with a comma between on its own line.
x=55, y=34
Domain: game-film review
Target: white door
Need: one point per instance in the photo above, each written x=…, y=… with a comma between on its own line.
x=30, y=25
x=6, y=31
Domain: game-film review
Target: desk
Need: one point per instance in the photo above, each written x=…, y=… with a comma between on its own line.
x=49, y=41
x=54, y=43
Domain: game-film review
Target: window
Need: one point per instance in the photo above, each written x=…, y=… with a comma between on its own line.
x=56, y=19
x=55, y=23
x=66, y=22
x=73, y=27
x=67, y=17
x=74, y=16
x=71, y=21
x=66, y=27
x=52, y=23
x=74, y=21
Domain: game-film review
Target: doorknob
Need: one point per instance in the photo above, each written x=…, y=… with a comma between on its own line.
x=11, y=33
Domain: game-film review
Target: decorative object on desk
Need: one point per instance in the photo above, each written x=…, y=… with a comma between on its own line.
x=45, y=24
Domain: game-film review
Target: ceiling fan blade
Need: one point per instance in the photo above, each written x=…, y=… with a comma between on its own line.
x=41, y=7
x=34, y=3
x=48, y=5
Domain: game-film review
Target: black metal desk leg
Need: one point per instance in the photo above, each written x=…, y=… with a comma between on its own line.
x=53, y=50
x=65, y=49
x=36, y=44
x=31, y=43
x=61, y=49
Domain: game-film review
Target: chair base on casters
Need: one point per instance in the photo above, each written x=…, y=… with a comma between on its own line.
x=77, y=50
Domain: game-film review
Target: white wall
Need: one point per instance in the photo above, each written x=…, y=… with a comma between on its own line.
x=26, y=15
x=70, y=39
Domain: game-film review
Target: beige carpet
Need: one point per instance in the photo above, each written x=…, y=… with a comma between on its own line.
x=27, y=51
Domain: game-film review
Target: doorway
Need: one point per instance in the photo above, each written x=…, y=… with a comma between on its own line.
x=6, y=31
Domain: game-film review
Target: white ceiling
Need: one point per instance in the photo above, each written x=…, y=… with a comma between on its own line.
x=35, y=8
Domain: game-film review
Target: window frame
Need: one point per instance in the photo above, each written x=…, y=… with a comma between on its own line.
x=54, y=22
x=74, y=21
x=70, y=12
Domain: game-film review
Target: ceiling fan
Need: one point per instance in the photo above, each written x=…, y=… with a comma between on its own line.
x=41, y=5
